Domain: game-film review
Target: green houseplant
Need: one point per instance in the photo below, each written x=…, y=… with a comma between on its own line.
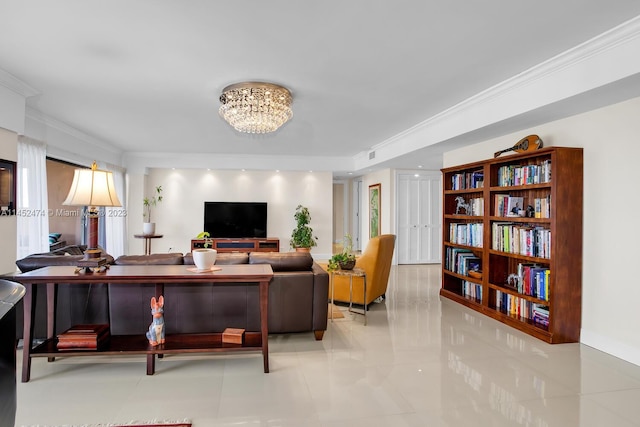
x=148, y=227
x=206, y=237
x=205, y=257
x=344, y=260
x=302, y=236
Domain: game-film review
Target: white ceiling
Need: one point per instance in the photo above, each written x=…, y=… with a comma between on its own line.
x=145, y=75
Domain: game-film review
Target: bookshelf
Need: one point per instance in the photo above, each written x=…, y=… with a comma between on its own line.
x=512, y=240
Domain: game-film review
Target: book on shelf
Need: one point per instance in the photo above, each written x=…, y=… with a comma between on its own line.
x=85, y=336
x=514, y=205
x=506, y=205
x=521, y=308
x=467, y=180
x=472, y=290
x=522, y=239
x=510, y=175
x=466, y=233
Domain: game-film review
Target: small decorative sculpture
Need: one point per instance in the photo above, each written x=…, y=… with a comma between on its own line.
x=155, y=335
x=463, y=205
x=531, y=212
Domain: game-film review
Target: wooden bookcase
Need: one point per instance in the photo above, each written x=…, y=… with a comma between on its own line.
x=546, y=302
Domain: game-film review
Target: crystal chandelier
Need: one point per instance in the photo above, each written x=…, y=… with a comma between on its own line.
x=256, y=107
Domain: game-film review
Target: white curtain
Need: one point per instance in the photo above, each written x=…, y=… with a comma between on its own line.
x=116, y=218
x=32, y=204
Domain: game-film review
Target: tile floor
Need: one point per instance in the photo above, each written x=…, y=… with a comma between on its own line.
x=420, y=361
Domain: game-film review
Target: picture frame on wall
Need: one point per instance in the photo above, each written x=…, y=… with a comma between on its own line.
x=374, y=210
x=7, y=187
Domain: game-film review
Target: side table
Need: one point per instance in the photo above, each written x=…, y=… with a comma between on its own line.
x=147, y=241
x=356, y=272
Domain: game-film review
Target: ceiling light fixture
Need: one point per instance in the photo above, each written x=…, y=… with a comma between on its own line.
x=256, y=107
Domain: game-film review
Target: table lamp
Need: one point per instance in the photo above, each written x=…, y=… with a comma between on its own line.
x=92, y=188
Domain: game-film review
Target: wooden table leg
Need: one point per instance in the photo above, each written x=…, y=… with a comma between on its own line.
x=159, y=293
x=151, y=363
x=51, y=313
x=264, y=323
x=29, y=301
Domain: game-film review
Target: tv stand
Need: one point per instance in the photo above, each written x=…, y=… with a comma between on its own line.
x=240, y=245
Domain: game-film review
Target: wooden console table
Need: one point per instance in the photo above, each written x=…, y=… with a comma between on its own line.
x=245, y=274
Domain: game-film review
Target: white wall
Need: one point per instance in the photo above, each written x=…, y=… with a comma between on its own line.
x=67, y=143
x=386, y=179
x=8, y=224
x=610, y=291
x=180, y=217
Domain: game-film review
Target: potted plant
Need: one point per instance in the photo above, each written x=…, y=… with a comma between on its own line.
x=302, y=238
x=204, y=235
x=204, y=258
x=148, y=227
x=346, y=259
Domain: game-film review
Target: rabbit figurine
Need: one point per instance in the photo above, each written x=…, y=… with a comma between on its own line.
x=155, y=335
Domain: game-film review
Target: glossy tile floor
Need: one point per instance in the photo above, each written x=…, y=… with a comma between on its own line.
x=420, y=361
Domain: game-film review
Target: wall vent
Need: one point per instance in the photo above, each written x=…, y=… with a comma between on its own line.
x=372, y=155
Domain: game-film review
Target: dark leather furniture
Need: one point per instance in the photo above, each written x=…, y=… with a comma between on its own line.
x=75, y=304
x=10, y=294
x=298, y=297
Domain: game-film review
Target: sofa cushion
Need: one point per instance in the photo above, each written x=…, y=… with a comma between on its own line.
x=33, y=262
x=283, y=261
x=69, y=250
x=174, y=258
x=69, y=255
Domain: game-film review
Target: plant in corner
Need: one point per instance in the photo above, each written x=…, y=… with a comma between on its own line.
x=302, y=236
x=148, y=227
x=344, y=260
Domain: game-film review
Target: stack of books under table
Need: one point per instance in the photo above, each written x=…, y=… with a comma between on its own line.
x=84, y=337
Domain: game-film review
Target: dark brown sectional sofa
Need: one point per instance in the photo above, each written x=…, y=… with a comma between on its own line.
x=297, y=298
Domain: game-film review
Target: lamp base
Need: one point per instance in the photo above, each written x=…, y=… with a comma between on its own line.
x=93, y=262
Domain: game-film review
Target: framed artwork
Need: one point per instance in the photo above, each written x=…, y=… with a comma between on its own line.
x=374, y=210
x=7, y=187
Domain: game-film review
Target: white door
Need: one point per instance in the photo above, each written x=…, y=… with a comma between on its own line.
x=419, y=218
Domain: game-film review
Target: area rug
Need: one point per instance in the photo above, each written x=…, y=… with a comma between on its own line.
x=152, y=423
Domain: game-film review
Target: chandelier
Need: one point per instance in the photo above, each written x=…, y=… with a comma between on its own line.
x=256, y=107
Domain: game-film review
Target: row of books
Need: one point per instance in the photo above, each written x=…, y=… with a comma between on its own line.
x=534, y=241
x=476, y=206
x=467, y=180
x=472, y=290
x=506, y=205
x=84, y=337
x=466, y=233
x=461, y=261
x=542, y=207
x=533, y=280
x=525, y=174
x=520, y=307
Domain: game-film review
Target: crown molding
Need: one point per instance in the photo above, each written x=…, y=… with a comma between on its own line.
x=16, y=85
x=594, y=47
x=54, y=123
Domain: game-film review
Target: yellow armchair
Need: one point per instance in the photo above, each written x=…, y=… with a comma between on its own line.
x=376, y=263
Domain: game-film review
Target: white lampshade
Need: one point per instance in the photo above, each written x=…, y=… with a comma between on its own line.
x=92, y=187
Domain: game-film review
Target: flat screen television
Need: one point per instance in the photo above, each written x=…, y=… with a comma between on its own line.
x=235, y=219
